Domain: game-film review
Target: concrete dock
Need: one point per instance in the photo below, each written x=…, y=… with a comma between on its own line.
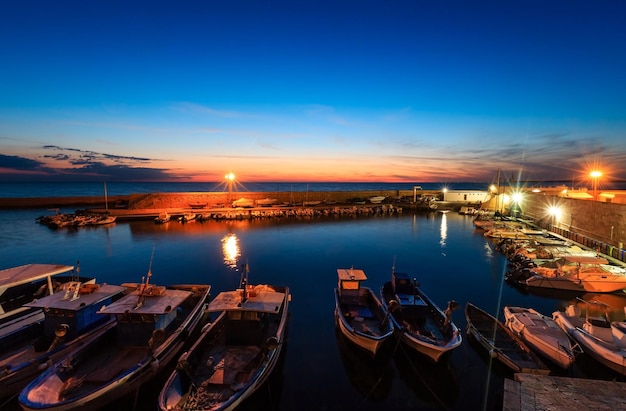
x=530, y=392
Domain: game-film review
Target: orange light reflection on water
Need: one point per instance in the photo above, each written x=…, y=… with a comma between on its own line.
x=231, y=250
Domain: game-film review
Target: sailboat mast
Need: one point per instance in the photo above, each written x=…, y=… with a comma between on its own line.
x=498, y=193
x=106, y=199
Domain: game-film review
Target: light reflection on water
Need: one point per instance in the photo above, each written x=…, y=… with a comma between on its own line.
x=305, y=255
x=231, y=250
x=443, y=230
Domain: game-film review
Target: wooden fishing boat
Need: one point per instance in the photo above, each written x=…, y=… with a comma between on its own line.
x=542, y=334
x=153, y=323
x=501, y=343
x=235, y=354
x=21, y=285
x=417, y=320
x=70, y=320
x=359, y=313
x=600, y=338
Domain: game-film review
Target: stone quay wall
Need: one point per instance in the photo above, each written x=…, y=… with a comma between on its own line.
x=599, y=225
x=216, y=199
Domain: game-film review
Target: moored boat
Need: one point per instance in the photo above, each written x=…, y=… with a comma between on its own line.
x=21, y=285
x=595, y=333
x=187, y=217
x=501, y=343
x=542, y=334
x=163, y=218
x=153, y=324
x=266, y=202
x=579, y=273
x=376, y=199
x=243, y=202
x=418, y=321
x=235, y=354
x=359, y=313
x=70, y=320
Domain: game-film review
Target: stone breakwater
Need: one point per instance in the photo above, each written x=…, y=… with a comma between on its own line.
x=300, y=212
x=206, y=199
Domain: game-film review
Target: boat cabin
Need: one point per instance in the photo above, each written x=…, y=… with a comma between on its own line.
x=20, y=285
x=406, y=290
x=349, y=285
x=143, y=312
x=246, y=314
x=77, y=307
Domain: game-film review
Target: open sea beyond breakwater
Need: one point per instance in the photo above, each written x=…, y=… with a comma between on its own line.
x=42, y=190
x=319, y=370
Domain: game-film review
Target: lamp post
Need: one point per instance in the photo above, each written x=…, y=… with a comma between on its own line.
x=595, y=175
x=230, y=177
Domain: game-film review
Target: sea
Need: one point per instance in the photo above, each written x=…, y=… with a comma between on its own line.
x=319, y=370
x=97, y=188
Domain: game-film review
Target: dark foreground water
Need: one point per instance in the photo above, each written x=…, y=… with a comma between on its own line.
x=319, y=371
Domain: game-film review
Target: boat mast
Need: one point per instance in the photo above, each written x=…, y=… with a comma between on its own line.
x=106, y=200
x=144, y=290
x=498, y=192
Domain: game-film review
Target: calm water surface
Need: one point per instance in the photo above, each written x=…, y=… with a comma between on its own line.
x=319, y=371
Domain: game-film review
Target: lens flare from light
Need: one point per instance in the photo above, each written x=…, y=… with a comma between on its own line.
x=231, y=250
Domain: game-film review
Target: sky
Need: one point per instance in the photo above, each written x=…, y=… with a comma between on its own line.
x=312, y=91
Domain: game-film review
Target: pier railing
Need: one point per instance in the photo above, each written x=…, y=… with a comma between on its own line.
x=584, y=240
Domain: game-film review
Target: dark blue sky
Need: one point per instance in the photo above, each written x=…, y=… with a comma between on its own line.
x=312, y=90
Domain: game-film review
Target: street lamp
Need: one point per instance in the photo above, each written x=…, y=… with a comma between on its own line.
x=230, y=178
x=595, y=175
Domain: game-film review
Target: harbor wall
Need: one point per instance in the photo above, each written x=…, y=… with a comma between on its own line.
x=599, y=225
x=596, y=223
x=216, y=199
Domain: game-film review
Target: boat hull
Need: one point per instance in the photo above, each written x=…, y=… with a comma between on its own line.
x=542, y=334
x=420, y=326
x=602, y=350
x=203, y=362
x=588, y=285
x=501, y=343
x=373, y=329
x=97, y=381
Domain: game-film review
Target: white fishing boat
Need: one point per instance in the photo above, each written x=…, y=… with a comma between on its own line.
x=542, y=334
x=579, y=273
x=243, y=203
x=70, y=320
x=598, y=337
x=359, y=314
x=235, y=354
x=376, y=199
x=417, y=320
x=266, y=202
x=152, y=325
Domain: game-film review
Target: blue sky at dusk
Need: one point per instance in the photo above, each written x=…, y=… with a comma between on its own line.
x=311, y=90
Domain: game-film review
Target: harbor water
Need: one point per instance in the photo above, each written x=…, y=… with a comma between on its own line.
x=450, y=258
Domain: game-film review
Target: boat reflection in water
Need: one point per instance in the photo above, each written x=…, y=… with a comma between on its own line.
x=435, y=384
x=371, y=376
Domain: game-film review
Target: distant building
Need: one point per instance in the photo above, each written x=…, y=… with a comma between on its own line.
x=466, y=196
